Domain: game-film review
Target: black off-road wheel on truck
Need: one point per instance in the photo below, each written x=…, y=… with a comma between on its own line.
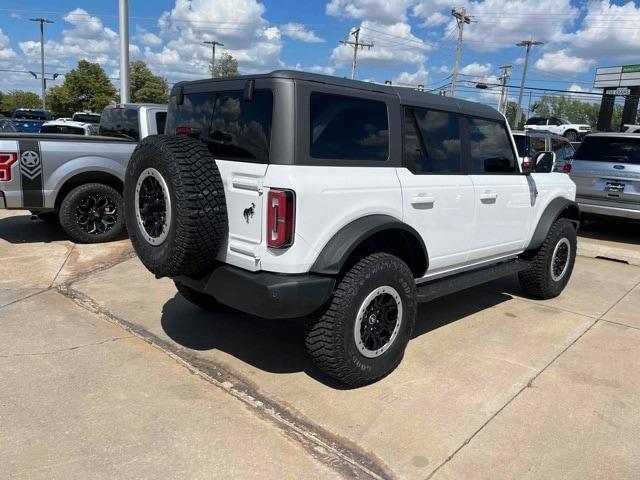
x=92, y=213
x=552, y=264
x=199, y=299
x=362, y=335
x=176, y=212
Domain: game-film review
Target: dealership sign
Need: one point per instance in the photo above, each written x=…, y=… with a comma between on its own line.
x=623, y=76
x=621, y=91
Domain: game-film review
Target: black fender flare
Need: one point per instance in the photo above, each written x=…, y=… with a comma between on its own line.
x=556, y=209
x=338, y=249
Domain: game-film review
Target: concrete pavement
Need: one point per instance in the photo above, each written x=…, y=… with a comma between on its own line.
x=493, y=384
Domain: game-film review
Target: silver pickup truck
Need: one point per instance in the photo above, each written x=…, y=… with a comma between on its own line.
x=73, y=179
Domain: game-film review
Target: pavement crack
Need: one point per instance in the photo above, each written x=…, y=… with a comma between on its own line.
x=68, y=349
x=62, y=266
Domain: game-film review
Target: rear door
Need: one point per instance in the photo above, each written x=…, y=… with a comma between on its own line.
x=438, y=196
x=503, y=198
x=237, y=132
x=608, y=169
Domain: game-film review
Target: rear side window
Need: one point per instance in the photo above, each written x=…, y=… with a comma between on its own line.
x=231, y=127
x=348, y=128
x=62, y=129
x=120, y=123
x=491, y=150
x=161, y=120
x=615, y=150
x=432, y=141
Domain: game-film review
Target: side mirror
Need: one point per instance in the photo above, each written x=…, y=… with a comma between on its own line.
x=544, y=162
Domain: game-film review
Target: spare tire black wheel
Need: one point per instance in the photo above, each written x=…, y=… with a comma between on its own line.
x=176, y=212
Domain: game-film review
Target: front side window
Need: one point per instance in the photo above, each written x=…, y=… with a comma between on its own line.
x=491, y=150
x=348, y=128
x=432, y=141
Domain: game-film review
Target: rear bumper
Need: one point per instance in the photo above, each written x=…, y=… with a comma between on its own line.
x=608, y=210
x=265, y=294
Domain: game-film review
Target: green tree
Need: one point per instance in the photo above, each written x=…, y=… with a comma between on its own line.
x=510, y=113
x=145, y=86
x=86, y=87
x=19, y=99
x=226, y=66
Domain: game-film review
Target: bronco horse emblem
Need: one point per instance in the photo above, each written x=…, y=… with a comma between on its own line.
x=248, y=212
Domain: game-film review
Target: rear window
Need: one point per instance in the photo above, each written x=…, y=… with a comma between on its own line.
x=62, y=129
x=120, y=123
x=161, y=121
x=609, y=149
x=231, y=127
x=30, y=115
x=86, y=117
x=348, y=128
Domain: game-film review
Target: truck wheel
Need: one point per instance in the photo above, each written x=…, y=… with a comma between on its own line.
x=363, y=333
x=202, y=300
x=571, y=135
x=176, y=211
x=552, y=264
x=92, y=213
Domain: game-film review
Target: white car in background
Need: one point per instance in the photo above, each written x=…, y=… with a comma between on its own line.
x=69, y=127
x=558, y=126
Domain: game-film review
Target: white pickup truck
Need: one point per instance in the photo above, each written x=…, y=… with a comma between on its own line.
x=77, y=180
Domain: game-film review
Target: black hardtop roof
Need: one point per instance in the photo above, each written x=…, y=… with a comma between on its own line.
x=407, y=96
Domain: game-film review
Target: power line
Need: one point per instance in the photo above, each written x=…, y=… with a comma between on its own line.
x=462, y=19
x=357, y=44
x=213, y=44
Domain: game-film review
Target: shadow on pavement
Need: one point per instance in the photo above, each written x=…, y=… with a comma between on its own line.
x=277, y=346
x=21, y=229
x=611, y=229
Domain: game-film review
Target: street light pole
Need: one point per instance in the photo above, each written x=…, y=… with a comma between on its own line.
x=42, y=21
x=528, y=44
x=213, y=44
x=125, y=88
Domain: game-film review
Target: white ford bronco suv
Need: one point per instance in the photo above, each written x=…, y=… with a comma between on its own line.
x=292, y=194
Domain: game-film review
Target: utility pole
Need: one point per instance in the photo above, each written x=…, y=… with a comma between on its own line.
x=125, y=89
x=528, y=44
x=463, y=19
x=42, y=21
x=504, y=96
x=356, y=45
x=213, y=44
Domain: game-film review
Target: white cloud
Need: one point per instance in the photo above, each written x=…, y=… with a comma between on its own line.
x=419, y=77
x=441, y=69
x=562, y=63
x=15, y=15
x=476, y=69
x=297, y=31
x=393, y=45
x=6, y=52
x=145, y=37
x=323, y=69
x=380, y=11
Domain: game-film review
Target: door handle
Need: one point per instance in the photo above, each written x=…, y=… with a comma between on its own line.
x=423, y=200
x=489, y=197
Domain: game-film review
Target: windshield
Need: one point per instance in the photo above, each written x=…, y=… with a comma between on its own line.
x=610, y=149
x=564, y=121
x=86, y=117
x=120, y=123
x=29, y=115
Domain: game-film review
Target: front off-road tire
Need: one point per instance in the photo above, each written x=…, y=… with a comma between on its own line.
x=375, y=300
x=202, y=300
x=552, y=264
x=176, y=212
x=92, y=213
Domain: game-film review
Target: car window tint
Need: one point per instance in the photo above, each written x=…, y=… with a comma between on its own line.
x=195, y=112
x=522, y=144
x=491, y=150
x=120, y=123
x=348, y=128
x=537, y=145
x=161, y=120
x=65, y=129
x=440, y=150
x=610, y=149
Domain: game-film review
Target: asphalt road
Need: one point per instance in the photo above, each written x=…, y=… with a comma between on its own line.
x=106, y=372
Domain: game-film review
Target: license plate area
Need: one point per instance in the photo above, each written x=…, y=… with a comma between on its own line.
x=614, y=187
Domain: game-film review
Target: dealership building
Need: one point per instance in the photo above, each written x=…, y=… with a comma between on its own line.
x=623, y=81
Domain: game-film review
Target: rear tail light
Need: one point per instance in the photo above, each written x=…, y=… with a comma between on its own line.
x=280, y=218
x=188, y=131
x=566, y=168
x=624, y=128
x=6, y=160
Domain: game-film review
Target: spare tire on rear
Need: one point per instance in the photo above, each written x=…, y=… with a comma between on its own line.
x=175, y=207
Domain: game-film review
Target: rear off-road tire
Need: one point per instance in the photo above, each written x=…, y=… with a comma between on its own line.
x=375, y=300
x=176, y=212
x=552, y=264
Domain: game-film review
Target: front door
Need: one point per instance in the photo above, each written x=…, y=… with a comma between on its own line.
x=503, y=196
x=438, y=197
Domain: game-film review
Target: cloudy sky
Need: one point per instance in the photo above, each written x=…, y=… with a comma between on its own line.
x=414, y=40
